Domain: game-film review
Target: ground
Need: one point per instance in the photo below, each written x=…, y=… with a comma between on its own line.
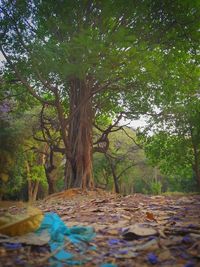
x=134, y=230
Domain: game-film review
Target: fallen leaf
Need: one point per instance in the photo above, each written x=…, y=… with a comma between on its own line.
x=126, y=217
x=95, y=210
x=14, y=225
x=138, y=230
x=113, y=232
x=165, y=255
x=147, y=246
x=3, y=252
x=150, y=216
x=28, y=239
x=185, y=200
x=125, y=254
x=128, y=209
x=161, y=233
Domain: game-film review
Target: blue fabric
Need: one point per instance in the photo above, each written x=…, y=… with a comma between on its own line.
x=59, y=232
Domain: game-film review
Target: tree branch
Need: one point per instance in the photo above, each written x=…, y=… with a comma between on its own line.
x=128, y=167
x=25, y=82
x=137, y=144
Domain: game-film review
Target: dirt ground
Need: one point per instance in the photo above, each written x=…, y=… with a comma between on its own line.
x=135, y=230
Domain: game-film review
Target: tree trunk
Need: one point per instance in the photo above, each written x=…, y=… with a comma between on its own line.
x=32, y=190
x=30, y=186
x=80, y=135
x=35, y=190
x=196, y=165
x=115, y=177
x=50, y=172
x=50, y=181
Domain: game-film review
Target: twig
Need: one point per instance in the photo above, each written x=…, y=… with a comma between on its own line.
x=181, y=231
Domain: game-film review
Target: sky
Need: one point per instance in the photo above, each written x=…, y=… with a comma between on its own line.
x=1, y=58
x=134, y=123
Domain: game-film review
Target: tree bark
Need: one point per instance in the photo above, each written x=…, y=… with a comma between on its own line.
x=80, y=135
x=32, y=185
x=35, y=190
x=29, y=182
x=196, y=151
x=50, y=181
x=50, y=172
x=196, y=165
x=115, y=177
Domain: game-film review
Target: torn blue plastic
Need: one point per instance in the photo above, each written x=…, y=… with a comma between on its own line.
x=60, y=233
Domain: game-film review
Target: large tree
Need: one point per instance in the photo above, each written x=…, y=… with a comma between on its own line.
x=88, y=58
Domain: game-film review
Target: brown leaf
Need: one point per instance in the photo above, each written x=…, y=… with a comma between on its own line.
x=165, y=255
x=128, y=255
x=113, y=232
x=147, y=246
x=150, y=216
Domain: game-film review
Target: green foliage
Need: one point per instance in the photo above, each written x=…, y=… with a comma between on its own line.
x=102, y=172
x=10, y=145
x=171, y=176
x=17, y=178
x=120, y=44
x=38, y=174
x=156, y=187
x=170, y=153
x=181, y=184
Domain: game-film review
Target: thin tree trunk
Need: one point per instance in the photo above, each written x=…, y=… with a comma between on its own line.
x=49, y=171
x=50, y=181
x=30, y=188
x=196, y=165
x=35, y=190
x=33, y=186
x=115, y=177
x=65, y=137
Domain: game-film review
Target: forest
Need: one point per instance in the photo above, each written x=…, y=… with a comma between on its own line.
x=73, y=75
x=77, y=77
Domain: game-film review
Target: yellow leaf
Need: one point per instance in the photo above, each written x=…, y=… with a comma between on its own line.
x=14, y=225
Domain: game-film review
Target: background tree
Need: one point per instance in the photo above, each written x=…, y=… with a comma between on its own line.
x=172, y=134
x=123, y=164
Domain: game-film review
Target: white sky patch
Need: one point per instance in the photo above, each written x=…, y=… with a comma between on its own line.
x=134, y=123
x=1, y=59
